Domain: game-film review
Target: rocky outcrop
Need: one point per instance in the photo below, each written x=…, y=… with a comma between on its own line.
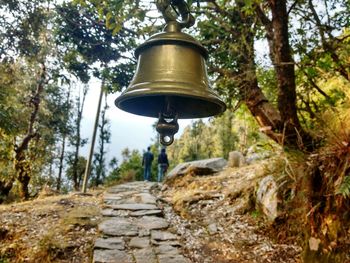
x=201, y=167
x=256, y=153
x=235, y=159
x=267, y=198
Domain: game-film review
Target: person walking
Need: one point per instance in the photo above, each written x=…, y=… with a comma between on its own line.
x=163, y=164
x=147, y=164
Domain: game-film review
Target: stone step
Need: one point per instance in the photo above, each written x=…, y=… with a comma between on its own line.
x=134, y=229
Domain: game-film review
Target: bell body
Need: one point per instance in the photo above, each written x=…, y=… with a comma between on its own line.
x=171, y=78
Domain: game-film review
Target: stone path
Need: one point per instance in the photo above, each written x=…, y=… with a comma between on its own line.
x=134, y=229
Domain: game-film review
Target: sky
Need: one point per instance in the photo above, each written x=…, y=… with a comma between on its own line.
x=127, y=130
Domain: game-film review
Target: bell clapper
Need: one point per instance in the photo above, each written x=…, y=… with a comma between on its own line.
x=167, y=126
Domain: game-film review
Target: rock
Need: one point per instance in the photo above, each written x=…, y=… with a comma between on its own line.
x=134, y=207
x=118, y=226
x=212, y=228
x=166, y=249
x=145, y=198
x=146, y=212
x=266, y=197
x=207, y=166
x=144, y=232
x=173, y=243
x=166, y=258
x=235, y=159
x=139, y=242
x=152, y=222
x=162, y=235
x=108, y=212
x=145, y=255
x=110, y=243
x=256, y=153
x=132, y=215
x=111, y=197
x=111, y=256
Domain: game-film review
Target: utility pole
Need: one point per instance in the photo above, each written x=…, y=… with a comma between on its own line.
x=92, y=146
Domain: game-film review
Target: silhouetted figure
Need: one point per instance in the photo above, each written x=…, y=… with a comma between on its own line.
x=147, y=164
x=163, y=164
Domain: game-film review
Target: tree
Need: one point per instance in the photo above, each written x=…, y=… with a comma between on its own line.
x=114, y=174
x=100, y=156
x=303, y=50
x=75, y=171
x=131, y=166
x=94, y=48
x=75, y=139
x=65, y=131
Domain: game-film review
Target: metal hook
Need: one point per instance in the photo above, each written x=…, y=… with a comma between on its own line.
x=166, y=7
x=167, y=126
x=166, y=140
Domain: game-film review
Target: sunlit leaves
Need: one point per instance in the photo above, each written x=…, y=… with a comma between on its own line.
x=344, y=188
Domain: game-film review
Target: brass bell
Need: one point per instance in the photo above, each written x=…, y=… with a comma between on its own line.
x=171, y=81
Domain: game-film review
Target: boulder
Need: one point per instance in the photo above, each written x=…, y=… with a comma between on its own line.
x=266, y=197
x=235, y=159
x=257, y=153
x=206, y=166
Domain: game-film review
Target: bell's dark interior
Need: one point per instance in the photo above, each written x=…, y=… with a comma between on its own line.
x=186, y=107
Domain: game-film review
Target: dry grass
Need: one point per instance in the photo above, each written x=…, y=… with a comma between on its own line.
x=52, y=229
x=218, y=216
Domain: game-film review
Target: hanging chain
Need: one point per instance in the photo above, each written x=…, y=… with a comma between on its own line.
x=173, y=9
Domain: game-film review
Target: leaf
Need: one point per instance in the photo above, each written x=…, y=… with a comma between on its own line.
x=314, y=243
x=344, y=188
x=116, y=29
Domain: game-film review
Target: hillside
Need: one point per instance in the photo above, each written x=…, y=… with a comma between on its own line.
x=220, y=222
x=50, y=229
x=216, y=216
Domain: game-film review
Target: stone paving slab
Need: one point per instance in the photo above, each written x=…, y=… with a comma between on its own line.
x=145, y=255
x=112, y=256
x=110, y=243
x=119, y=226
x=134, y=229
x=134, y=206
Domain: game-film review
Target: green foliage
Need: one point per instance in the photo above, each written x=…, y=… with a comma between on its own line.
x=201, y=140
x=114, y=175
x=92, y=46
x=129, y=170
x=131, y=165
x=76, y=169
x=344, y=188
x=99, y=165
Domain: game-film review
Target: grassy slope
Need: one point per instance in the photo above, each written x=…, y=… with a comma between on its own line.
x=50, y=229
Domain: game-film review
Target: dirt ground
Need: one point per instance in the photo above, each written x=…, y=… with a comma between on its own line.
x=50, y=229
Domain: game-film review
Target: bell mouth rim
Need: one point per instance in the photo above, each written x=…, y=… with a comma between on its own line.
x=219, y=105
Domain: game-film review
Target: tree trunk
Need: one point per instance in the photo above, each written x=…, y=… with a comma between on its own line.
x=77, y=142
x=5, y=188
x=64, y=138
x=285, y=73
x=21, y=164
x=291, y=134
x=267, y=116
x=60, y=168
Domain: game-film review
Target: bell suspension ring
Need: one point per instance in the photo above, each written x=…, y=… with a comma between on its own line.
x=180, y=8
